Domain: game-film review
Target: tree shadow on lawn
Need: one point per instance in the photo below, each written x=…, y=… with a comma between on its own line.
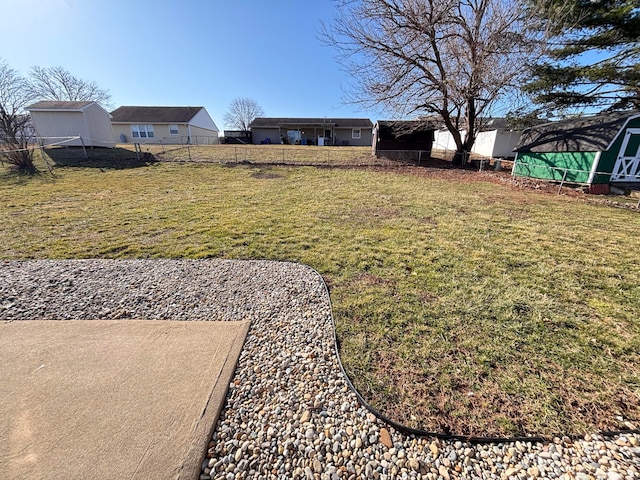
x=102, y=158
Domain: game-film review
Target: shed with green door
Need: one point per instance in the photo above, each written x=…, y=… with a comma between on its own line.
x=596, y=151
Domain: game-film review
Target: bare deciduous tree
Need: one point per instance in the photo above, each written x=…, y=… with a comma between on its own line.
x=56, y=83
x=241, y=113
x=15, y=124
x=452, y=59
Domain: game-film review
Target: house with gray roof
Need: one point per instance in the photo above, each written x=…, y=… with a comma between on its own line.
x=166, y=125
x=312, y=131
x=594, y=150
x=71, y=124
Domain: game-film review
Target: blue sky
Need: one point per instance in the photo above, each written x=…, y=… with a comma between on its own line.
x=186, y=52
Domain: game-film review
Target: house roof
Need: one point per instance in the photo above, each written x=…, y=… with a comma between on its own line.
x=583, y=134
x=486, y=124
x=266, y=122
x=405, y=127
x=58, y=105
x=135, y=114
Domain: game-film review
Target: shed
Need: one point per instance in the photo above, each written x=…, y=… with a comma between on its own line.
x=403, y=136
x=495, y=138
x=72, y=123
x=594, y=150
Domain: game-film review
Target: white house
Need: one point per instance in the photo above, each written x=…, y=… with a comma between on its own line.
x=168, y=125
x=72, y=123
x=495, y=140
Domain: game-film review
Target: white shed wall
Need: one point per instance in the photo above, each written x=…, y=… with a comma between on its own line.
x=55, y=126
x=492, y=143
x=484, y=143
x=98, y=127
x=505, y=143
x=92, y=124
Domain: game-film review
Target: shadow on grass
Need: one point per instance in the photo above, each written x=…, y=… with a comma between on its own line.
x=103, y=158
x=15, y=176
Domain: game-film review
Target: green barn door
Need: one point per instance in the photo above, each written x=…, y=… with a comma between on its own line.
x=627, y=167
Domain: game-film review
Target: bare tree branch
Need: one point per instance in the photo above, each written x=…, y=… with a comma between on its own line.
x=453, y=59
x=241, y=113
x=15, y=125
x=56, y=83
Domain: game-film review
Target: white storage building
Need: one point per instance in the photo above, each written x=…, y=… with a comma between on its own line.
x=72, y=123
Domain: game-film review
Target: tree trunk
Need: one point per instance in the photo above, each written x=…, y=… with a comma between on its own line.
x=463, y=152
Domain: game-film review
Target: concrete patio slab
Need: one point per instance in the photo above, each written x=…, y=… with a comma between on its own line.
x=112, y=399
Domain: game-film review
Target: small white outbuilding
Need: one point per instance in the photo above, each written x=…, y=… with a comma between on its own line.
x=72, y=123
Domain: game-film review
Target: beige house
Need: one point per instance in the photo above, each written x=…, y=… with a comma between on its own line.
x=166, y=125
x=71, y=124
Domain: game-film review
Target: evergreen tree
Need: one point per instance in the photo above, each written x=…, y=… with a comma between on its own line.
x=593, y=55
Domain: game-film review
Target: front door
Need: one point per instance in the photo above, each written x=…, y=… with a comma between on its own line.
x=627, y=167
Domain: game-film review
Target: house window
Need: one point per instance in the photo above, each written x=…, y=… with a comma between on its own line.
x=355, y=133
x=173, y=130
x=142, y=131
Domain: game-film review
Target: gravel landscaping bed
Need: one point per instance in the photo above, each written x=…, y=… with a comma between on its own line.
x=289, y=410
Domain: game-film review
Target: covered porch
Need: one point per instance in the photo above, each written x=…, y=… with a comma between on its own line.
x=307, y=133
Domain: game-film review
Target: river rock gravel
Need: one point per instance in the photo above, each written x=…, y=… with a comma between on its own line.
x=289, y=412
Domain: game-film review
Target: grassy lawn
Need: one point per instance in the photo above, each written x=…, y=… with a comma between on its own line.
x=462, y=304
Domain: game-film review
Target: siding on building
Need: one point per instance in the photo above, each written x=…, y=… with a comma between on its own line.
x=552, y=165
x=338, y=131
x=194, y=125
x=259, y=135
x=203, y=136
x=586, y=148
x=161, y=134
x=609, y=157
x=55, y=121
x=489, y=143
x=343, y=135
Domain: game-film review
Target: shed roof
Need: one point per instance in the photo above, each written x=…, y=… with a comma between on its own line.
x=583, y=134
x=399, y=128
x=274, y=122
x=135, y=114
x=59, y=105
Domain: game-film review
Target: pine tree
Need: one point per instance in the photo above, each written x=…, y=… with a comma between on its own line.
x=593, y=58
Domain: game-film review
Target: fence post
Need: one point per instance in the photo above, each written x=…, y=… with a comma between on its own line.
x=235, y=153
x=189, y=150
x=564, y=176
x=328, y=156
x=84, y=150
x=44, y=158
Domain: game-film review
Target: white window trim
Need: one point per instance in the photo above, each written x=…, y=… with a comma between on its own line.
x=356, y=133
x=142, y=131
x=177, y=130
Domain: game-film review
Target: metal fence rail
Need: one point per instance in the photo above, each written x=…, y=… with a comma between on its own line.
x=563, y=172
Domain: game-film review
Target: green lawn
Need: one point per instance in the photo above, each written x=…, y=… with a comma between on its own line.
x=461, y=303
